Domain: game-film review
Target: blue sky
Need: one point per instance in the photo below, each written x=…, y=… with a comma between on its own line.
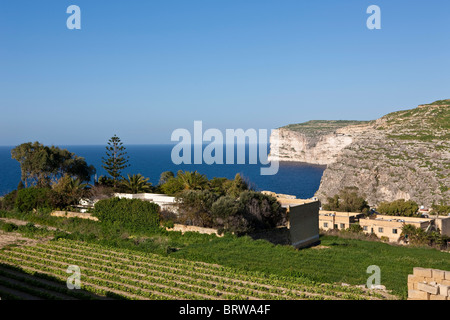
x=141, y=69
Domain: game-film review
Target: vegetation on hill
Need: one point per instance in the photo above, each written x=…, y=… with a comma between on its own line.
x=314, y=127
x=426, y=123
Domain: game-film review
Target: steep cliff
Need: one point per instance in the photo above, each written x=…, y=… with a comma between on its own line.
x=403, y=155
x=316, y=142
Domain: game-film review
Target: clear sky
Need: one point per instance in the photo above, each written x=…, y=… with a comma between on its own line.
x=141, y=69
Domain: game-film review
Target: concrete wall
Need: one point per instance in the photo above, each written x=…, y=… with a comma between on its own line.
x=304, y=224
x=429, y=284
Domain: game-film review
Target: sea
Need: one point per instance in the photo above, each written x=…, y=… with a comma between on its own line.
x=294, y=178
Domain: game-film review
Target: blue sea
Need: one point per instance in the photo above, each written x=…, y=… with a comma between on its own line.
x=299, y=179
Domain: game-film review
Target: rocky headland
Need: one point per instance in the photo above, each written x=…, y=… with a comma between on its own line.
x=403, y=155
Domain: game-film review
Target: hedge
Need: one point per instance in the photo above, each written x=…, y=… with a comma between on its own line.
x=128, y=212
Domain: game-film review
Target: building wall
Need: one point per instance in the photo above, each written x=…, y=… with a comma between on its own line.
x=329, y=220
x=304, y=224
x=443, y=223
x=391, y=226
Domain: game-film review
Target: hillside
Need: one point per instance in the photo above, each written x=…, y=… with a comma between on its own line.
x=403, y=155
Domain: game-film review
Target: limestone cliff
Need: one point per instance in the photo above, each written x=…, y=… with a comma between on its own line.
x=403, y=155
x=316, y=142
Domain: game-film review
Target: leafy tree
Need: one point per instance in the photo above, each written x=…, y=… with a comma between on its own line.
x=137, y=184
x=348, y=200
x=195, y=207
x=116, y=159
x=165, y=176
x=236, y=186
x=41, y=165
x=399, y=208
x=441, y=209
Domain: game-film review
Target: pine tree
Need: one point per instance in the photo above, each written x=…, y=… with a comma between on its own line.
x=116, y=160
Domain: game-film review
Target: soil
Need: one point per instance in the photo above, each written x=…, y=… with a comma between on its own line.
x=14, y=238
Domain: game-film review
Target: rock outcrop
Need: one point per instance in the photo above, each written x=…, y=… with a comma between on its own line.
x=403, y=155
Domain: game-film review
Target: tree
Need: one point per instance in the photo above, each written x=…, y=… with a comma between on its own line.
x=68, y=191
x=399, y=208
x=137, y=184
x=348, y=200
x=192, y=180
x=165, y=176
x=236, y=186
x=41, y=165
x=441, y=209
x=116, y=160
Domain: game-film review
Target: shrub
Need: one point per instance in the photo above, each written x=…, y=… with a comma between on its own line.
x=8, y=201
x=33, y=198
x=133, y=213
x=251, y=211
x=195, y=207
x=9, y=227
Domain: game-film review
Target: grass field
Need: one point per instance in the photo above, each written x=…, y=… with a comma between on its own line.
x=336, y=260
x=39, y=272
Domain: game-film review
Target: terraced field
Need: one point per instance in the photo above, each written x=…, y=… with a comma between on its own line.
x=40, y=272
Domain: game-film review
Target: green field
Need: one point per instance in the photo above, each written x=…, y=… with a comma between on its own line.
x=39, y=272
x=337, y=260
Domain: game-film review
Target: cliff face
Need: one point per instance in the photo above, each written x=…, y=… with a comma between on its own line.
x=315, y=142
x=403, y=155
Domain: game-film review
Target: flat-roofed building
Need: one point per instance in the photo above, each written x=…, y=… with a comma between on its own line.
x=391, y=226
x=330, y=220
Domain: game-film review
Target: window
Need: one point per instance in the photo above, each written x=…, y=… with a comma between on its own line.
x=394, y=231
x=380, y=230
x=365, y=228
x=325, y=224
x=342, y=226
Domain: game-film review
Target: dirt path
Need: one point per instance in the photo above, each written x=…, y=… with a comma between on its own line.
x=24, y=222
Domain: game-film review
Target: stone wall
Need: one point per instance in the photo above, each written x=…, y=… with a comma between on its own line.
x=68, y=214
x=429, y=284
x=184, y=228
